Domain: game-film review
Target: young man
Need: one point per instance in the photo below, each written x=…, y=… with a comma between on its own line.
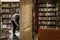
x=15, y=22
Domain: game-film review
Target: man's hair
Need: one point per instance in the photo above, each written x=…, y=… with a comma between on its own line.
x=17, y=17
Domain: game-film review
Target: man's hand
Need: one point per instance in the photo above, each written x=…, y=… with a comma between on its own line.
x=18, y=25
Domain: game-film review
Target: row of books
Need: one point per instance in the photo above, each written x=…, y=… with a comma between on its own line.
x=6, y=26
x=47, y=22
x=10, y=5
x=47, y=18
x=47, y=14
x=6, y=16
x=47, y=26
x=47, y=5
x=10, y=10
x=49, y=9
x=16, y=5
x=6, y=21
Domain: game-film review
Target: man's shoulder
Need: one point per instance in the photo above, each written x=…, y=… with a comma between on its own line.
x=15, y=15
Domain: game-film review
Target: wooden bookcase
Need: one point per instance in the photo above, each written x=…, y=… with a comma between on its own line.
x=0, y=14
x=7, y=9
x=48, y=15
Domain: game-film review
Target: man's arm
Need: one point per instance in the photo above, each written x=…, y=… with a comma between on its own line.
x=16, y=23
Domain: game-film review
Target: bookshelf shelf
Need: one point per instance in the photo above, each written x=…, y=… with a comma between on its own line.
x=8, y=9
x=47, y=15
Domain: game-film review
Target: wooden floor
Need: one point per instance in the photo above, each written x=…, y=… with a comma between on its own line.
x=15, y=38
x=36, y=37
x=2, y=38
x=9, y=39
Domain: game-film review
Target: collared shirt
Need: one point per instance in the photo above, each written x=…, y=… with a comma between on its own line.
x=13, y=17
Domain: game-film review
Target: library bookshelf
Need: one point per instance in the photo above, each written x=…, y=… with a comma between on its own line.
x=7, y=9
x=48, y=14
